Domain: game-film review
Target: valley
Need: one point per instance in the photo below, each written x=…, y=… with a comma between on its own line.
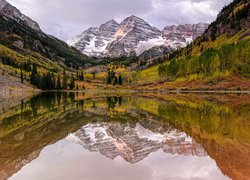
x=161, y=94
x=128, y=55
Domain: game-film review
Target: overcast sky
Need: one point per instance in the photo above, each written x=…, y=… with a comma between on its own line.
x=66, y=18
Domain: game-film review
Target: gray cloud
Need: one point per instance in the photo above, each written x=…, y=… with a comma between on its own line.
x=66, y=18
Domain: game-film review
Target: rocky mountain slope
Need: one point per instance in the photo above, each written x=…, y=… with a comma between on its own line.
x=233, y=18
x=10, y=11
x=132, y=37
x=10, y=84
x=179, y=36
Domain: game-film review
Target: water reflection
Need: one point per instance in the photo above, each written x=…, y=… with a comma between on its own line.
x=190, y=136
x=134, y=143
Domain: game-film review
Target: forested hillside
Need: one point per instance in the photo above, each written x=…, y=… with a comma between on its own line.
x=222, y=51
x=36, y=57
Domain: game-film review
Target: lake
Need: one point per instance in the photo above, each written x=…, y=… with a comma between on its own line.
x=120, y=136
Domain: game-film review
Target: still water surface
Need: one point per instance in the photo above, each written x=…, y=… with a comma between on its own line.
x=132, y=136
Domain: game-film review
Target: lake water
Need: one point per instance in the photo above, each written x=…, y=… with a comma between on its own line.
x=145, y=136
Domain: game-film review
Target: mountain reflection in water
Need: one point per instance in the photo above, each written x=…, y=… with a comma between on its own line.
x=134, y=143
x=148, y=136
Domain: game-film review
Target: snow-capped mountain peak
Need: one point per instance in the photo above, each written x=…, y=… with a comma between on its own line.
x=133, y=36
x=94, y=40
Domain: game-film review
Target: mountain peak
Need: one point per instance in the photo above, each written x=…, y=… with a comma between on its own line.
x=10, y=11
x=112, y=21
x=135, y=19
x=109, y=25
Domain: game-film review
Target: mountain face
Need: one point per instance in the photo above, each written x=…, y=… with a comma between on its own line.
x=133, y=37
x=179, y=36
x=94, y=40
x=23, y=35
x=134, y=144
x=12, y=12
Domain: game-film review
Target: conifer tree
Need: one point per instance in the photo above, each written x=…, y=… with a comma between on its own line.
x=120, y=79
x=53, y=81
x=115, y=80
x=33, y=77
x=81, y=77
x=72, y=84
x=65, y=82
x=58, y=84
x=77, y=75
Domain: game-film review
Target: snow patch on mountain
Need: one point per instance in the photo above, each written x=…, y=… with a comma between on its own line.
x=146, y=45
x=147, y=134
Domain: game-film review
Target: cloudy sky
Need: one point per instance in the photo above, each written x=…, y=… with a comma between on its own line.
x=66, y=18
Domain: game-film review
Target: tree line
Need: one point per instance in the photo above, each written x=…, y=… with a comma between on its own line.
x=49, y=81
x=114, y=79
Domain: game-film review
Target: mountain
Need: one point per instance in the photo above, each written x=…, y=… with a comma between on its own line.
x=133, y=37
x=17, y=36
x=132, y=34
x=133, y=144
x=10, y=11
x=25, y=49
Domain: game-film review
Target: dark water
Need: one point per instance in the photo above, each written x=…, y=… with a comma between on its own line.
x=126, y=136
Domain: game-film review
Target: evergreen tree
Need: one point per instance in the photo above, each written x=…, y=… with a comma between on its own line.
x=81, y=77
x=53, y=81
x=115, y=80
x=65, y=82
x=72, y=84
x=77, y=75
x=43, y=83
x=48, y=80
x=33, y=79
x=109, y=80
x=58, y=84
x=120, y=79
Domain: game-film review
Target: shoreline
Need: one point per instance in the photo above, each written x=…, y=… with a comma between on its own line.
x=6, y=94
x=138, y=90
